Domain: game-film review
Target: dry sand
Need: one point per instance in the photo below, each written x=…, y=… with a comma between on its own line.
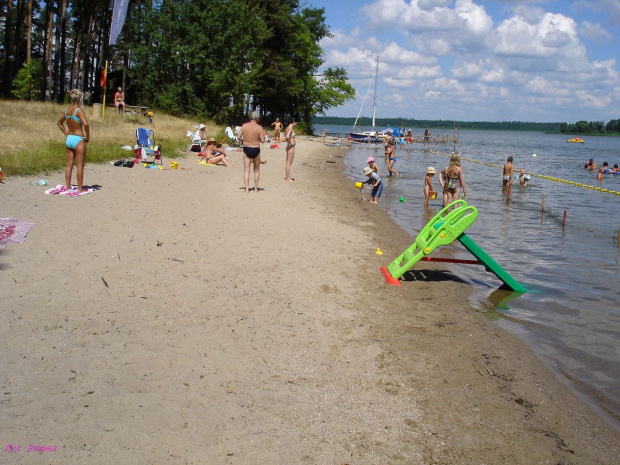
x=170, y=318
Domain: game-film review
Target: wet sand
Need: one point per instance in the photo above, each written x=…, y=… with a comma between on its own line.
x=169, y=317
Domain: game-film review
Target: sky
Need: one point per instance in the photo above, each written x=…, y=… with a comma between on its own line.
x=477, y=60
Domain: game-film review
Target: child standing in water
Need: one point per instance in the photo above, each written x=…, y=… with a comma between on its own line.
x=508, y=170
x=375, y=181
x=428, y=185
x=373, y=166
x=523, y=178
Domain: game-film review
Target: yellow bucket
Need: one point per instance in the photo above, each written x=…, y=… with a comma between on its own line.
x=433, y=195
x=359, y=185
x=174, y=165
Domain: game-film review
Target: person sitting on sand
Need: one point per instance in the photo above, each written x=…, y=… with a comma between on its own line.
x=199, y=138
x=214, y=153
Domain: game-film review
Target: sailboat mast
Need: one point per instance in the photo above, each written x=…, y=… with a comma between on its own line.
x=374, y=101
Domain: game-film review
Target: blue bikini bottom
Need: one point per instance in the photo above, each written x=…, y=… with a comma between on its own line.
x=73, y=141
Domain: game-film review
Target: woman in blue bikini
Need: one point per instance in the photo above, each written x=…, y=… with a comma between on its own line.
x=76, y=141
x=390, y=153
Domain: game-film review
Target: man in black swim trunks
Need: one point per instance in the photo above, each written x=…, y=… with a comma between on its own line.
x=251, y=135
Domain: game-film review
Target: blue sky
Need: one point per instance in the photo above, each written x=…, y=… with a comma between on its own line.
x=478, y=60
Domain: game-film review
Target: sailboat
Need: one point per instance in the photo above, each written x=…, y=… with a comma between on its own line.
x=370, y=136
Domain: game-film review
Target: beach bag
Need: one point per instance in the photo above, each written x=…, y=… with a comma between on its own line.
x=128, y=164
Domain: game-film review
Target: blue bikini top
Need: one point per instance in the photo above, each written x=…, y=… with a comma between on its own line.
x=73, y=116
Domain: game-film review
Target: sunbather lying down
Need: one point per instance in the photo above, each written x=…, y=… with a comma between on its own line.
x=214, y=153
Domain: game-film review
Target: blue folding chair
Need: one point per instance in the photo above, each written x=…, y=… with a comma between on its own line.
x=145, y=139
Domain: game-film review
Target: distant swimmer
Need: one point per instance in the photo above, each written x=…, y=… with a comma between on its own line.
x=590, y=165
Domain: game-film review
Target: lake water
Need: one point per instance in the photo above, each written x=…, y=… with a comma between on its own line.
x=571, y=319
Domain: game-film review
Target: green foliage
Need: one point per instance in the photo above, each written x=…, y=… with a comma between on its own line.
x=592, y=127
x=199, y=57
x=29, y=81
x=219, y=60
x=613, y=125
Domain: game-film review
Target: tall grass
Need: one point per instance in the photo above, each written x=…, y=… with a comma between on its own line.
x=31, y=143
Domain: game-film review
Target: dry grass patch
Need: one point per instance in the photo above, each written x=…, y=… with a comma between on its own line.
x=31, y=143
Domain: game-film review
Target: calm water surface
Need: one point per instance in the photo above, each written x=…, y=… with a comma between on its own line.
x=572, y=317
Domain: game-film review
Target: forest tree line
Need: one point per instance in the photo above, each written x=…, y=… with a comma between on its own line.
x=581, y=127
x=210, y=58
x=592, y=127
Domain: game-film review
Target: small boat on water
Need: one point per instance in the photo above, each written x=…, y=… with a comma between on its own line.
x=373, y=136
x=369, y=136
x=577, y=140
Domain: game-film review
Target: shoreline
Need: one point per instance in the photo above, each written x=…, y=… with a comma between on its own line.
x=170, y=317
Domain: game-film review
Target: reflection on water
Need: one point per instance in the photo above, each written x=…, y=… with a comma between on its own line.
x=557, y=238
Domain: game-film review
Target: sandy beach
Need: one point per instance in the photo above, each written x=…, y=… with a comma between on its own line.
x=171, y=318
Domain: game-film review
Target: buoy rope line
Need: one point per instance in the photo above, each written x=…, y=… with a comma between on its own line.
x=564, y=181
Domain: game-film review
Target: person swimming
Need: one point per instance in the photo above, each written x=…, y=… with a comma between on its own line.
x=606, y=168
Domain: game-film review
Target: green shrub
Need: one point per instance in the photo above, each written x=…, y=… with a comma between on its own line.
x=29, y=81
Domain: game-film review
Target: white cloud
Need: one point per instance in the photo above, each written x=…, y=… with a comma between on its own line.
x=540, y=86
x=609, y=7
x=467, y=70
x=518, y=36
x=595, y=32
x=591, y=100
x=532, y=62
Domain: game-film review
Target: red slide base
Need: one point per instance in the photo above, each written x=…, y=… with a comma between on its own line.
x=388, y=277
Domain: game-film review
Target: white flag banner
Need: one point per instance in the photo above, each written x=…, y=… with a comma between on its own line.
x=118, y=19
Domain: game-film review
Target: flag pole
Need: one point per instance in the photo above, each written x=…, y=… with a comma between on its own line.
x=105, y=85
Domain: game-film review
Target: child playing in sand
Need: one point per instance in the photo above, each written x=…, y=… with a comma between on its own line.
x=428, y=185
x=508, y=170
x=375, y=181
x=373, y=166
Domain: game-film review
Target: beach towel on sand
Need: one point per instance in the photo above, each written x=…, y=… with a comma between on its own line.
x=64, y=190
x=13, y=230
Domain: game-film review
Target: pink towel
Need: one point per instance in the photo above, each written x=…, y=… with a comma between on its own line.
x=13, y=230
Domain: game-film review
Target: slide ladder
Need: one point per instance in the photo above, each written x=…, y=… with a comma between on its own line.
x=442, y=230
